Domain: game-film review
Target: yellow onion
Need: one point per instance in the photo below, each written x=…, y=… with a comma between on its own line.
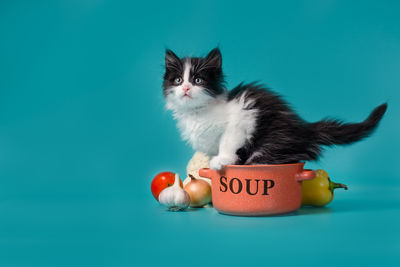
x=199, y=192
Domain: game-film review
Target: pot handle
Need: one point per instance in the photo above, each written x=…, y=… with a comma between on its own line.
x=206, y=172
x=305, y=175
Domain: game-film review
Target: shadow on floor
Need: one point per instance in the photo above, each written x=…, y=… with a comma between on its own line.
x=313, y=210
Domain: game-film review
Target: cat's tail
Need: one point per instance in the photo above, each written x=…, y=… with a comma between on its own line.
x=334, y=132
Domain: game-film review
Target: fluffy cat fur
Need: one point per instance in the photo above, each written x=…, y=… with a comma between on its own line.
x=249, y=124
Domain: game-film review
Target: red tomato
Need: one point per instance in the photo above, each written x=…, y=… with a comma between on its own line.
x=162, y=181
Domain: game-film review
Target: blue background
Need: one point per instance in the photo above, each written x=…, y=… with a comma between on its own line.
x=83, y=129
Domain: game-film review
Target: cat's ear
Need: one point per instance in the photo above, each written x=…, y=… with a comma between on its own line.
x=214, y=58
x=170, y=58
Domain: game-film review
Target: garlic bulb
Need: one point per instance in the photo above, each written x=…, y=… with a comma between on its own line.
x=174, y=197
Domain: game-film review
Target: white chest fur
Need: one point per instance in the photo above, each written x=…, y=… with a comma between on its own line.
x=203, y=129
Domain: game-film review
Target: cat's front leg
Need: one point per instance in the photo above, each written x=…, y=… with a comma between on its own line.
x=217, y=162
x=231, y=141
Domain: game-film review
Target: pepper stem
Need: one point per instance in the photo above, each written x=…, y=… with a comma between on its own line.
x=338, y=185
x=192, y=177
x=333, y=185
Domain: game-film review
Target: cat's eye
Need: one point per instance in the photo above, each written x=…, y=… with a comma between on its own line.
x=198, y=81
x=178, y=80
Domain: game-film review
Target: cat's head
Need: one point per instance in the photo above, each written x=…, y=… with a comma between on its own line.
x=192, y=82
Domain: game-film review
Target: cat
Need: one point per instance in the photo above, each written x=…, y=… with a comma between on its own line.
x=249, y=124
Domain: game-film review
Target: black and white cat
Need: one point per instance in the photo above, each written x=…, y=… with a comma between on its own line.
x=249, y=124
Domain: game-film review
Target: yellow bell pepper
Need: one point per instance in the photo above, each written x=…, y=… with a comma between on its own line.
x=319, y=191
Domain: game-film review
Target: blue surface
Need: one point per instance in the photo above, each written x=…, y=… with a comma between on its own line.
x=83, y=130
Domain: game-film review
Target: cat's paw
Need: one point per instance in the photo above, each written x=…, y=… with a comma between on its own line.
x=217, y=162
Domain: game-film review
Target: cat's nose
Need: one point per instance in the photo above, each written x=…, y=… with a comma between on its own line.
x=185, y=89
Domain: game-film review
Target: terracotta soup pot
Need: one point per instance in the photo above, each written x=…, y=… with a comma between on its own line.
x=257, y=190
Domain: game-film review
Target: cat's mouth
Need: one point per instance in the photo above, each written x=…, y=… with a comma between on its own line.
x=186, y=96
